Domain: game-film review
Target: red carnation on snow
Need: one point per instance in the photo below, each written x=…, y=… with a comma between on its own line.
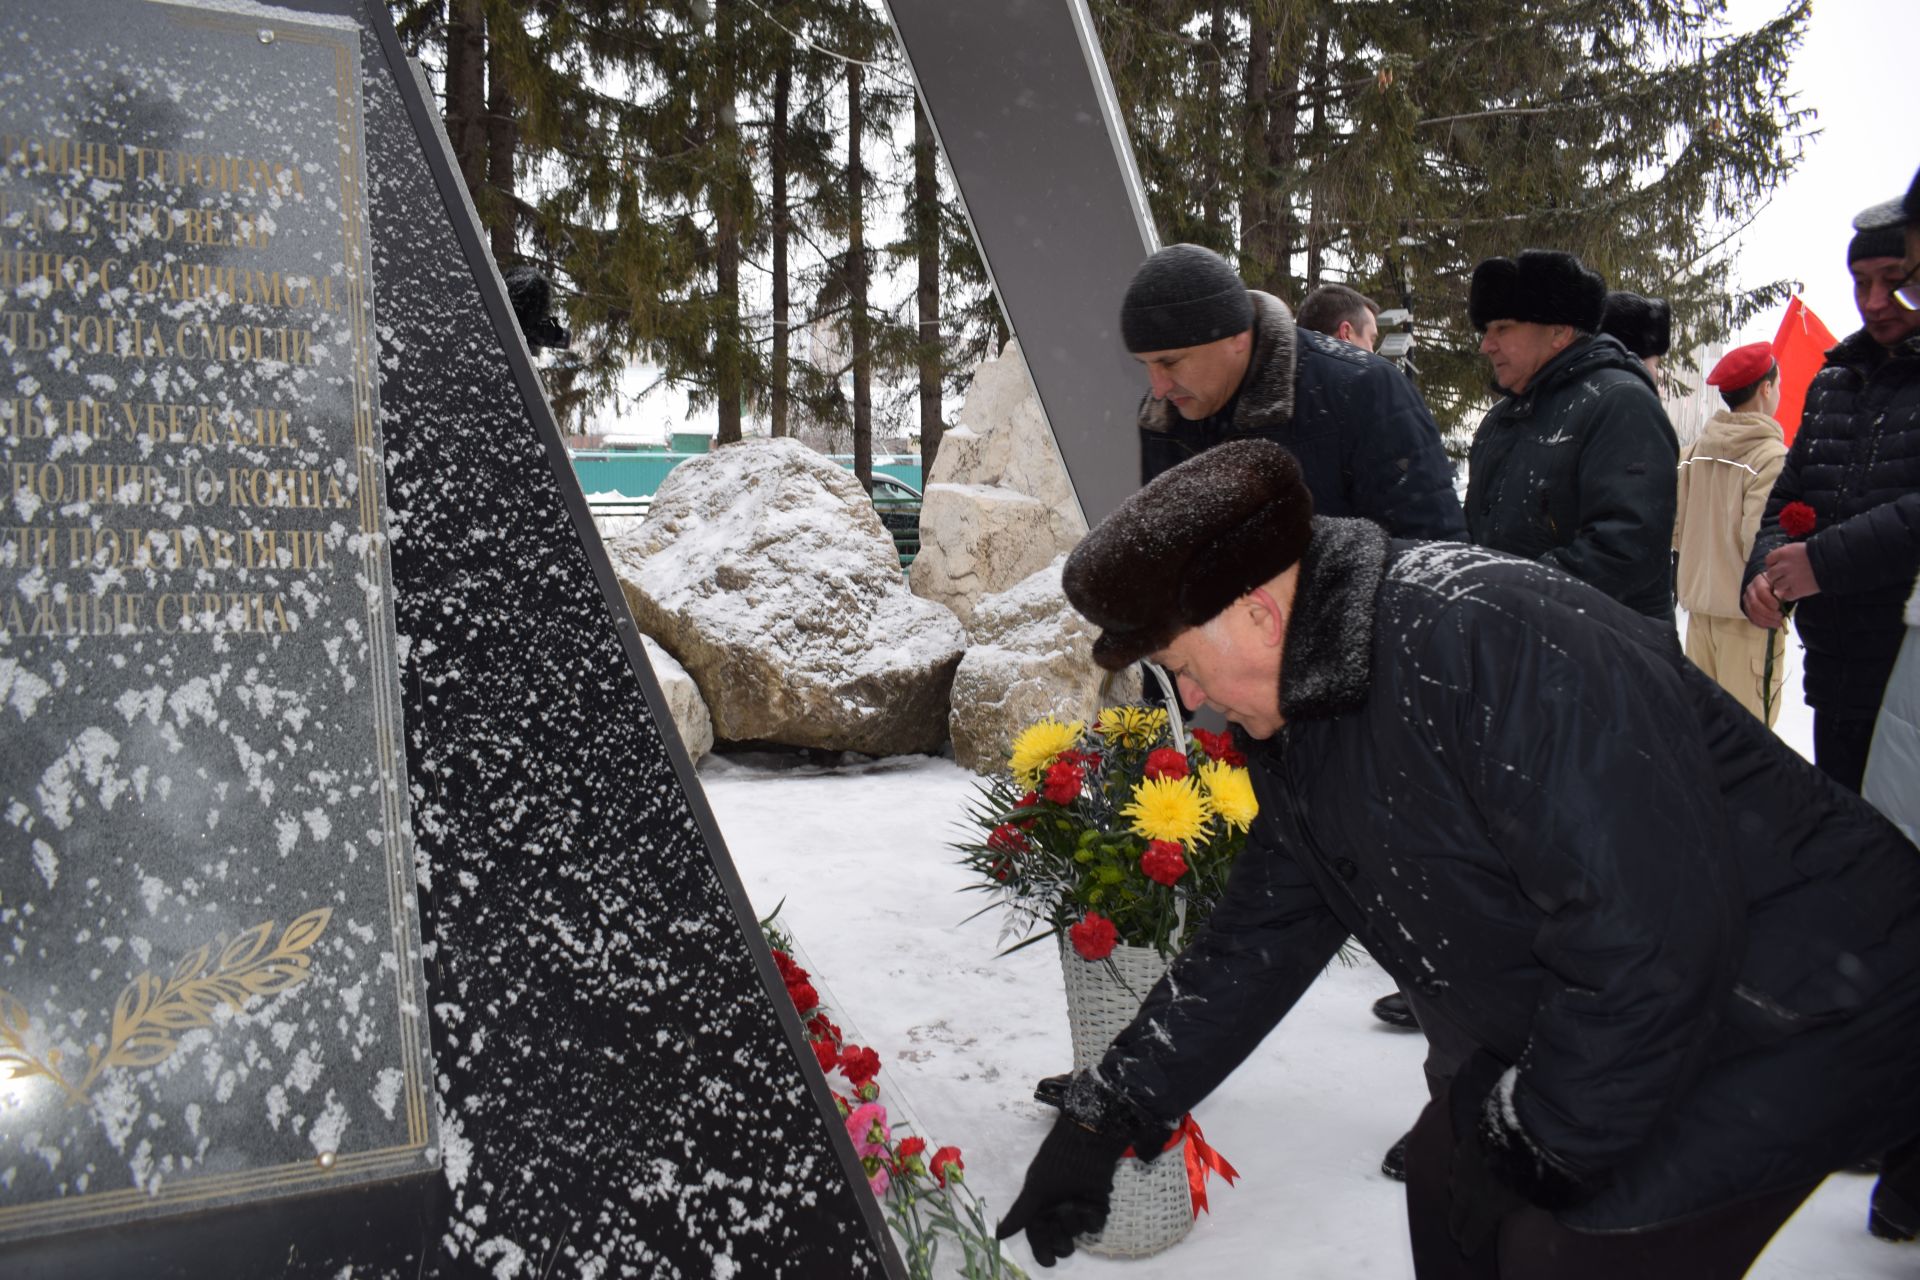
x=946, y=1161
x=790, y=972
x=1219, y=746
x=1163, y=862
x=1165, y=762
x=1063, y=782
x=805, y=998
x=820, y=1027
x=1093, y=937
x=859, y=1065
x=1797, y=519
x=825, y=1054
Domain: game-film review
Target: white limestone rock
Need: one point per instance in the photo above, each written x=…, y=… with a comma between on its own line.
x=685, y=706
x=1031, y=656
x=762, y=567
x=998, y=506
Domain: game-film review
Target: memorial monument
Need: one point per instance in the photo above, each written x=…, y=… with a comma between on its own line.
x=355, y=909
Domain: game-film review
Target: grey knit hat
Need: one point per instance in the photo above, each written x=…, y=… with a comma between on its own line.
x=1179, y=551
x=1878, y=242
x=1184, y=296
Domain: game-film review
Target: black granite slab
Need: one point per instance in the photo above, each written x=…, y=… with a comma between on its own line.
x=616, y=1070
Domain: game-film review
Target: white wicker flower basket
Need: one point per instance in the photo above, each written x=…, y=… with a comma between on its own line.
x=1152, y=1208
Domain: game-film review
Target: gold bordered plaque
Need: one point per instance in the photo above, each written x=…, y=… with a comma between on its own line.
x=210, y=971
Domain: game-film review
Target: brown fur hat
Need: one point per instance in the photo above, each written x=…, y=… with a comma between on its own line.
x=1181, y=550
x=1643, y=325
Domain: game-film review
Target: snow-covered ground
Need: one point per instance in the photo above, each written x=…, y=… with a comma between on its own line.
x=859, y=854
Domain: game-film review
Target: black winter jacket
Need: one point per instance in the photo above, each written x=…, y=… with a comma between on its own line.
x=1856, y=462
x=1367, y=445
x=1579, y=471
x=1556, y=833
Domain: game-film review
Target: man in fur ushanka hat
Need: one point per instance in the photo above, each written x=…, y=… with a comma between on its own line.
x=1575, y=464
x=1687, y=963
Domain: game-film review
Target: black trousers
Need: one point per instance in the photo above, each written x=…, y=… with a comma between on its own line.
x=1840, y=746
x=1719, y=1245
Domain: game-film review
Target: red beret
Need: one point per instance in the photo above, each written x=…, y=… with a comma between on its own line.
x=1742, y=366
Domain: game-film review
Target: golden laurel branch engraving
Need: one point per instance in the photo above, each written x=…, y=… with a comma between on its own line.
x=150, y=1014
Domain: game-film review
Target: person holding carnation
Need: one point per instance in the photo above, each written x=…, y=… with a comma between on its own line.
x=1687, y=962
x=1856, y=463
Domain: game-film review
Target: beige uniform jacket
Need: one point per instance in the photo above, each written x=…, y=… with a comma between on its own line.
x=1725, y=477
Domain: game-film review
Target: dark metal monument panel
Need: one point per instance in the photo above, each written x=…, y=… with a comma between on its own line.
x=1019, y=96
x=211, y=989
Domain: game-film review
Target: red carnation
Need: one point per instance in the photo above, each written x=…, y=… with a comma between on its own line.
x=1063, y=782
x=1027, y=801
x=819, y=1027
x=946, y=1160
x=1093, y=938
x=909, y=1148
x=1219, y=746
x=1797, y=519
x=1163, y=862
x=1001, y=870
x=805, y=998
x=1166, y=763
x=790, y=972
x=1085, y=759
x=1006, y=838
x=859, y=1065
x=825, y=1054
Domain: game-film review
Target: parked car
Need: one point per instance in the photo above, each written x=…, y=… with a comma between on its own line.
x=898, y=505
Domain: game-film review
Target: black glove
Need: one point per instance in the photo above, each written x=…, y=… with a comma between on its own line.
x=1068, y=1190
x=1477, y=1198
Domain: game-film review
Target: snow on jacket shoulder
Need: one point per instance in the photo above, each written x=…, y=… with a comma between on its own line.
x=1856, y=462
x=1577, y=471
x=1552, y=830
x=1725, y=477
x=1367, y=445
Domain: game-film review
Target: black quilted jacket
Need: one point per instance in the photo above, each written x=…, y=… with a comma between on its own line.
x=1856, y=462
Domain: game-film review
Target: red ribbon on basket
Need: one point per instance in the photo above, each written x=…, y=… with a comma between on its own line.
x=1202, y=1161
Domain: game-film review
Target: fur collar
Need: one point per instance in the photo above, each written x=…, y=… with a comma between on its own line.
x=1328, y=662
x=1265, y=397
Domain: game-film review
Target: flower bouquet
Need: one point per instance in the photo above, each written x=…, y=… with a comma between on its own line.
x=1114, y=835
x=1117, y=839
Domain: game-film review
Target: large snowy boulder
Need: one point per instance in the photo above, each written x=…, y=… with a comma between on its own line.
x=1032, y=656
x=685, y=706
x=762, y=567
x=998, y=506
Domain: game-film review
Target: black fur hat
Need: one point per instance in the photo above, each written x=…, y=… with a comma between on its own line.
x=1181, y=550
x=1643, y=325
x=1543, y=286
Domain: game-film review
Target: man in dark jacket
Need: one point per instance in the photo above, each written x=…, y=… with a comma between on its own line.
x=1856, y=463
x=1227, y=363
x=1689, y=963
x=1575, y=466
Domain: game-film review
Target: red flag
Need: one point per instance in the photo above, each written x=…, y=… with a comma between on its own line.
x=1801, y=347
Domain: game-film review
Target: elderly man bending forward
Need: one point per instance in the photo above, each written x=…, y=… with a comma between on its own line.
x=1689, y=962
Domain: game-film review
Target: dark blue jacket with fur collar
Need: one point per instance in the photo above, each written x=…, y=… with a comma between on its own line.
x=1367, y=445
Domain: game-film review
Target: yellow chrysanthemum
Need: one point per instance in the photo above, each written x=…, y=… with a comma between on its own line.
x=1132, y=726
x=1170, y=809
x=1037, y=746
x=1230, y=794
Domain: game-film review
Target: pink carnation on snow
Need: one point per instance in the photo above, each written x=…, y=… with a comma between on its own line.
x=867, y=1126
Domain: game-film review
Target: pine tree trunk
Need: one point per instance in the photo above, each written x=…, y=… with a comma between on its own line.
x=777, y=146
x=502, y=132
x=726, y=231
x=1268, y=225
x=926, y=201
x=466, y=91
x=1210, y=189
x=1317, y=214
x=857, y=286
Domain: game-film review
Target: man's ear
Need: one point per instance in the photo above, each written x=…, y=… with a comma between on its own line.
x=1345, y=331
x=1268, y=618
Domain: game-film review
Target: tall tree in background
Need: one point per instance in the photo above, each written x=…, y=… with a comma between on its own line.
x=1379, y=139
